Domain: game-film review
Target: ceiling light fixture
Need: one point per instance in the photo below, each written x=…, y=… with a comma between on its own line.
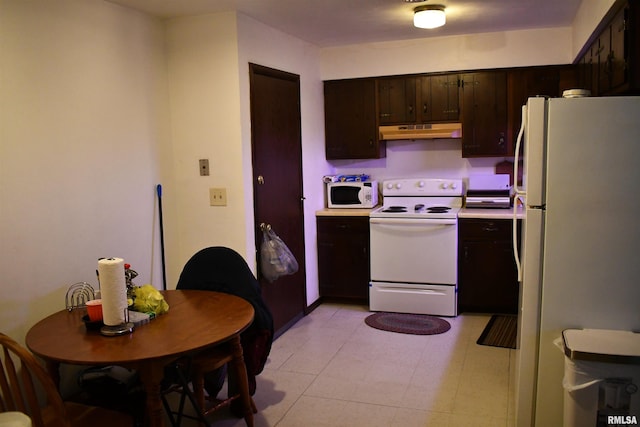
x=429, y=16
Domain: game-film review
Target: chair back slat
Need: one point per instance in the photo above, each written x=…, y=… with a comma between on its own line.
x=11, y=395
x=22, y=378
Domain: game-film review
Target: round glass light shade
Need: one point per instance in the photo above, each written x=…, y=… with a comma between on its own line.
x=433, y=17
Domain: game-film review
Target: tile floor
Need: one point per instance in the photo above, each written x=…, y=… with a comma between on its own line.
x=331, y=369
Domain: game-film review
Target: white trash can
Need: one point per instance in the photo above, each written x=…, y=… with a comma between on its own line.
x=601, y=378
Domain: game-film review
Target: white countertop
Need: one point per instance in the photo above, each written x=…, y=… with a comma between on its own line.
x=344, y=212
x=464, y=213
x=490, y=213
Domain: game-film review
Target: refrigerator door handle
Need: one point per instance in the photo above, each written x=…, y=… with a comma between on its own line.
x=516, y=154
x=518, y=193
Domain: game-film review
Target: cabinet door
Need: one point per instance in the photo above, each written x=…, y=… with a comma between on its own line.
x=603, y=52
x=350, y=123
x=584, y=72
x=618, y=57
x=343, y=257
x=612, y=56
x=397, y=100
x=484, y=114
x=439, y=98
x=487, y=275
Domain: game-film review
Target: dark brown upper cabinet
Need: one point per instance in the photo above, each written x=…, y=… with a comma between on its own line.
x=418, y=99
x=484, y=114
x=439, y=98
x=396, y=100
x=351, y=131
x=608, y=65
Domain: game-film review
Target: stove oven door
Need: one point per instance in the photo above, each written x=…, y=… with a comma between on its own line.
x=414, y=250
x=414, y=265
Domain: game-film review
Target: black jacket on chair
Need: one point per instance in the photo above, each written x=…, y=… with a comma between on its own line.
x=224, y=270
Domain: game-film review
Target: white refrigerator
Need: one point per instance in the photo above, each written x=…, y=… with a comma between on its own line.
x=580, y=250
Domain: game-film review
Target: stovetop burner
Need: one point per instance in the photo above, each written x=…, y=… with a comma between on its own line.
x=395, y=209
x=438, y=209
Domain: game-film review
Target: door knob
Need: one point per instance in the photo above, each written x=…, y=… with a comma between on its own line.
x=260, y=179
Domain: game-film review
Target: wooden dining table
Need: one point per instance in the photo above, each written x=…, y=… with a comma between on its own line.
x=196, y=320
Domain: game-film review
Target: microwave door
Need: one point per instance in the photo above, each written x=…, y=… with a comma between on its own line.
x=345, y=195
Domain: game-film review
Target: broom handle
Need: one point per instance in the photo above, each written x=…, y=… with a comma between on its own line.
x=164, y=274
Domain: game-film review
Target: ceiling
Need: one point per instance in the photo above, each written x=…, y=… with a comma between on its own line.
x=340, y=22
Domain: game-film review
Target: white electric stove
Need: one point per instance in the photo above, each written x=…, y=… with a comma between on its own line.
x=414, y=243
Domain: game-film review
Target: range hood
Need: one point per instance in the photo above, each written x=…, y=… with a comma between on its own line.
x=421, y=131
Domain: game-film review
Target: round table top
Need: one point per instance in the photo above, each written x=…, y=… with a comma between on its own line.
x=195, y=320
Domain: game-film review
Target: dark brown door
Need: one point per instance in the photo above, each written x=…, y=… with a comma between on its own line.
x=277, y=183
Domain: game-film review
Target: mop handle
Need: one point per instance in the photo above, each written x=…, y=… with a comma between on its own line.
x=164, y=274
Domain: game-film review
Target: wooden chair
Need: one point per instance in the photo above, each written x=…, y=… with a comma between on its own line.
x=192, y=370
x=26, y=386
x=224, y=270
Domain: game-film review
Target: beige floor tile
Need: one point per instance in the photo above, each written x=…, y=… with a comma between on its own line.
x=331, y=369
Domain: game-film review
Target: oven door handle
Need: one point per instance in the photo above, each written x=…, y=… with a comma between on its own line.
x=411, y=290
x=416, y=222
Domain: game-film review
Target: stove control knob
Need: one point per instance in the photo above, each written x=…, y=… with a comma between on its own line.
x=453, y=186
x=399, y=185
x=443, y=185
x=389, y=185
x=421, y=184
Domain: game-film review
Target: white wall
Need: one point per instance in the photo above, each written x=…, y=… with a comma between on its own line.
x=209, y=60
x=202, y=54
x=587, y=19
x=83, y=134
x=452, y=53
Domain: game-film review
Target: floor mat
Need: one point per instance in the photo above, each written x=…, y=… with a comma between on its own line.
x=501, y=331
x=416, y=324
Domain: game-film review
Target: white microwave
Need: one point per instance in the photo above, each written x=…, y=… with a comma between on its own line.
x=352, y=194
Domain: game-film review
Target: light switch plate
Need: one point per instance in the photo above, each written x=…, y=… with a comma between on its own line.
x=218, y=196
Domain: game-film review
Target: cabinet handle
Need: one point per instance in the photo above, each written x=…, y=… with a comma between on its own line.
x=424, y=108
x=411, y=109
x=385, y=115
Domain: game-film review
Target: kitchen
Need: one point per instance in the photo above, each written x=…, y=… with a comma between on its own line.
x=32, y=217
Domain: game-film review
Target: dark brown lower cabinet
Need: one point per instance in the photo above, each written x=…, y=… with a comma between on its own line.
x=343, y=257
x=487, y=275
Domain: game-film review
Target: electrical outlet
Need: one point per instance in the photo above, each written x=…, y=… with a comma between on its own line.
x=218, y=196
x=204, y=167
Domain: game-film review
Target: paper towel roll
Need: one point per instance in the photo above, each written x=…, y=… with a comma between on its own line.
x=113, y=290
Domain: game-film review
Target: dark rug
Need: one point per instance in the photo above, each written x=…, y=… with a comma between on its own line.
x=415, y=324
x=501, y=331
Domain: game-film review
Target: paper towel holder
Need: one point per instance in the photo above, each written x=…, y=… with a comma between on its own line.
x=121, y=329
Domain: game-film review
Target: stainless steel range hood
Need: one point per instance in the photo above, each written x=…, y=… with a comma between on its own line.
x=421, y=131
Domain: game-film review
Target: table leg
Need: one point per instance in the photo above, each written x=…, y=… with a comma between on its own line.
x=53, y=368
x=151, y=374
x=243, y=382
